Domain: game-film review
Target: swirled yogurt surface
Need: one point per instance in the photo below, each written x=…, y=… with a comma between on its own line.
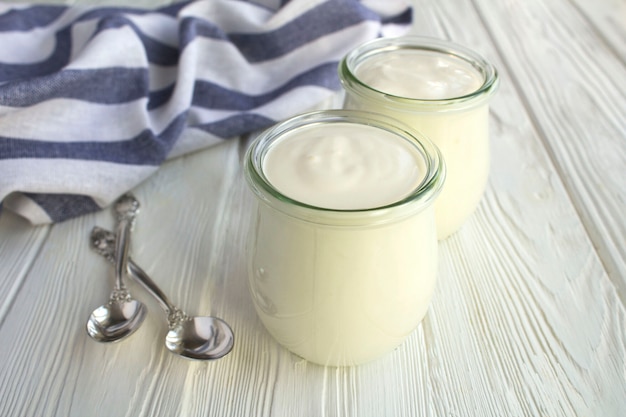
x=420, y=74
x=344, y=166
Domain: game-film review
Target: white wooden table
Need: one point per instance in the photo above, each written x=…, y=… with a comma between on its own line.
x=529, y=317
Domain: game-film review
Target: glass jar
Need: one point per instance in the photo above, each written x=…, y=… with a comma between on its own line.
x=342, y=287
x=457, y=124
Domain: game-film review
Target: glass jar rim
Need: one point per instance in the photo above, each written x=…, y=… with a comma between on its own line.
x=422, y=196
x=351, y=82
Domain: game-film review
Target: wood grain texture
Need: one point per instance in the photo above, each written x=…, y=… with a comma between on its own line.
x=576, y=104
x=539, y=272
x=19, y=245
x=608, y=20
x=528, y=318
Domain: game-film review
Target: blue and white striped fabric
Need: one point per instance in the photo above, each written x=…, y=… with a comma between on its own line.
x=94, y=99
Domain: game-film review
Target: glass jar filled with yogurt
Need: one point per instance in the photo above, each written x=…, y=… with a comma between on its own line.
x=440, y=89
x=343, y=250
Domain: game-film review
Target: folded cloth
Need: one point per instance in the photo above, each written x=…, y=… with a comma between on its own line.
x=94, y=99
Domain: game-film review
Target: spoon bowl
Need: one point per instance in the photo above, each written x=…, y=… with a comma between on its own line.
x=200, y=338
x=116, y=320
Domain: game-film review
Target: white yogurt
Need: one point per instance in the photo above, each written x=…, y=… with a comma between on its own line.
x=419, y=74
x=342, y=283
x=344, y=166
x=441, y=90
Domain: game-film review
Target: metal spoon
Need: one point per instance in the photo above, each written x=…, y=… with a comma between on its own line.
x=192, y=337
x=122, y=315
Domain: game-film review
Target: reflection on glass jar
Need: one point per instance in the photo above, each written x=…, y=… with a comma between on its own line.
x=440, y=89
x=341, y=286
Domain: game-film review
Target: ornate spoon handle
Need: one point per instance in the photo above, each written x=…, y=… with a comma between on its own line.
x=126, y=208
x=103, y=242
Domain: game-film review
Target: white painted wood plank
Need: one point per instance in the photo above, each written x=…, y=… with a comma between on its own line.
x=524, y=305
x=574, y=87
x=608, y=19
x=19, y=246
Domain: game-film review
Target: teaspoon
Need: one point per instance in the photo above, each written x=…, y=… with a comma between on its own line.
x=122, y=315
x=203, y=338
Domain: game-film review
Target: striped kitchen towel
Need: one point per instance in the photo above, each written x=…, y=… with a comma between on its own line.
x=94, y=99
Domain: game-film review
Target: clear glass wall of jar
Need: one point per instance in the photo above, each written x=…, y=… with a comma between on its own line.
x=458, y=125
x=342, y=287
